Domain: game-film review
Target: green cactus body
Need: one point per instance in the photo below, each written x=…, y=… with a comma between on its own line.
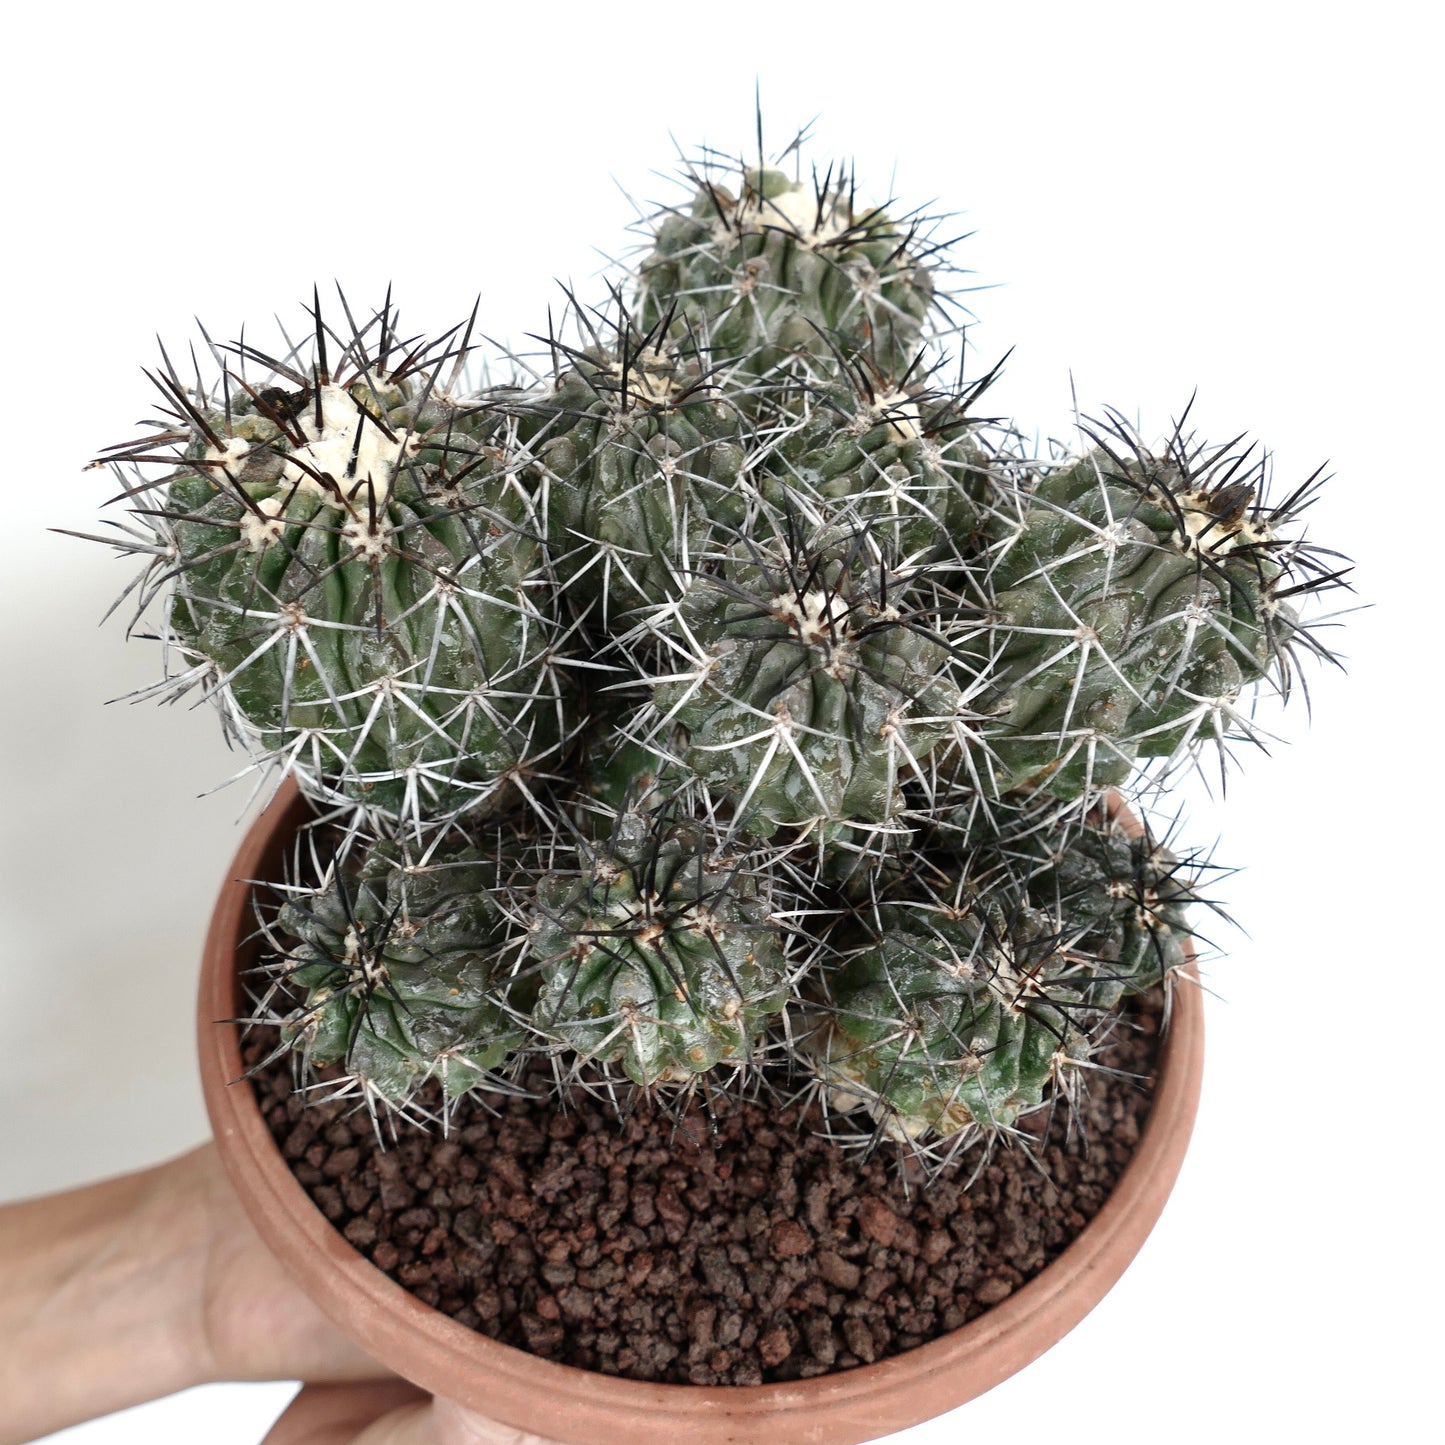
x=969, y=996
x=948, y=1019
x=726, y=696
x=641, y=461
x=814, y=689
x=627, y=777
x=1121, y=900
x=899, y=462
x=788, y=268
x=404, y=970
x=657, y=955
x=1132, y=607
x=357, y=568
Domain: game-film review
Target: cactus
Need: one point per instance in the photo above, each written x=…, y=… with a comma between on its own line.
x=980, y=982
x=657, y=951
x=813, y=682
x=730, y=706
x=899, y=459
x=399, y=967
x=355, y=569
x=641, y=453
x=1134, y=602
x=763, y=267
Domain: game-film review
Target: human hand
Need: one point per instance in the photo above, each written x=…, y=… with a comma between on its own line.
x=386, y=1412
x=248, y=1318
x=136, y=1287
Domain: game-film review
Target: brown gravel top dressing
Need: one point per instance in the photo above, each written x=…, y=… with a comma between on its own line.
x=736, y=1251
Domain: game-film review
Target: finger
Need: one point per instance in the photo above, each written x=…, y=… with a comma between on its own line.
x=441, y=1423
x=456, y=1426
x=387, y=1412
x=338, y=1414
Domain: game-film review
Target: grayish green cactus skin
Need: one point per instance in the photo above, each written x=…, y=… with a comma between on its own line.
x=783, y=266
x=357, y=564
x=1137, y=599
x=403, y=969
x=657, y=954
x=932, y=1025
x=642, y=455
x=1123, y=898
x=900, y=462
x=984, y=979
x=807, y=693
x=726, y=694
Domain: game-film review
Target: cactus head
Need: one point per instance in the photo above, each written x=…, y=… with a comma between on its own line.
x=940, y=1022
x=810, y=682
x=1136, y=596
x=396, y=968
x=982, y=981
x=765, y=267
x=896, y=456
x=656, y=952
x=351, y=563
x=642, y=451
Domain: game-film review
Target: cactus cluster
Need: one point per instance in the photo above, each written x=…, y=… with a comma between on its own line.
x=733, y=703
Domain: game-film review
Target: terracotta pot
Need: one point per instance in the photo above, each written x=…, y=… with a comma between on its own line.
x=584, y=1408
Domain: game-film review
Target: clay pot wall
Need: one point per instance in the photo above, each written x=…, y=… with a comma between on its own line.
x=584, y=1408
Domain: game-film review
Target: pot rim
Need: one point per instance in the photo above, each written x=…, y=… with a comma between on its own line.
x=583, y=1407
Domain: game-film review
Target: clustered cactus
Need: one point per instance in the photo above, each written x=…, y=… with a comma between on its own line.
x=733, y=699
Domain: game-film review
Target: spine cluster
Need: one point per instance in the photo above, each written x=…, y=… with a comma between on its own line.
x=732, y=702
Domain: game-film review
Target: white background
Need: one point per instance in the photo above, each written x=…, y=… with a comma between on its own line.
x=1238, y=198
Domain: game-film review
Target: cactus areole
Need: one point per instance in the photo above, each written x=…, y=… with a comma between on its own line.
x=718, y=702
